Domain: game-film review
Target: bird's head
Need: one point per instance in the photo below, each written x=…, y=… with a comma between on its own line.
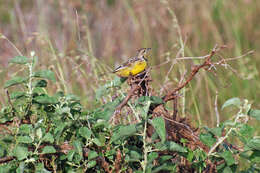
x=143, y=51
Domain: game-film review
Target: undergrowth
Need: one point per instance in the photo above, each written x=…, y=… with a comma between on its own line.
x=43, y=132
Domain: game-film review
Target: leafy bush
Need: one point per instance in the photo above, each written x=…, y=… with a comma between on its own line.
x=54, y=133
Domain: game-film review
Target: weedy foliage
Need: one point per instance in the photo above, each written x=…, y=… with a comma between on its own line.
x=40, y=132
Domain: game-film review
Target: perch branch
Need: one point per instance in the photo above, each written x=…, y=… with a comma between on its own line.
x=207, y=63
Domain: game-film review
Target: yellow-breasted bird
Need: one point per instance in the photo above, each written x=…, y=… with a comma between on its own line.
x=134, y=65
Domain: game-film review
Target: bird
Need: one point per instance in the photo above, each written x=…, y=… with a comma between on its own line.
x=133, y=65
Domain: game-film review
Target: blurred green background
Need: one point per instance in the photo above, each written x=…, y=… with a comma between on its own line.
x=83, y=40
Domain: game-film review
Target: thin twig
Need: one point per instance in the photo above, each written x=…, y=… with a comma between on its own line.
x=216, y=109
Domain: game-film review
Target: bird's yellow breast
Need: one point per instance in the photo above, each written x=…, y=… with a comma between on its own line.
x=134, y=69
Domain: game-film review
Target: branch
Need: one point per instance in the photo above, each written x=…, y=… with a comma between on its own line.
x=207, y=63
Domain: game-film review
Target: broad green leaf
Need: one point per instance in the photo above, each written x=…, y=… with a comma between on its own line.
x=246, y=131
x=217, y=131
x=72, y=97
x=134, y=155
x=92, y=155
x=48, y=150
x=91, y=164
x=255, y=157
x=123, y=131
x=20, y=152
x=46, y=74
x=207, y=139
x=39, y=133
x=162, y=159
x=78, y=147
x=21, y=167
x=97, y=142
x=19, y=60
x=154, y=100
x=233, y=101
x=70, y=155
x=159, y=126
x=45, y=99
x=41, y=83
x=40, y=168
x=152, y=156
x=17, y=94
x=85, y=132
x=48, y=138
x=24, y=139
x=107, y=110
x=171, y=167
x=172, y=146
x=254, y=143
x=15, y=81
x=254, y=113
x=227, y=169
x=25, y=129
x=39, y=91
x=228, y=157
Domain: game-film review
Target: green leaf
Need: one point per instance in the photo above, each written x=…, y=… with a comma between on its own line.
x=154, y=100
x=152, y=156
x=40, y=168
x=217, y=131
x=46, y=74
x=254, y=143
x=171, y=167
x=25, y=129
x=20, y=152
x=24, y=139
x=162, y=159
x=70, y=155
x=227, y=170
x=246, y=131
x=91, y=164
x=15, y=81
x=233, y=101
x=134, y=155
x=85, y=132
x=45, y=99
x=92, y=155
x=107, y=110
x=39, y=91
x=41, y=84
x=48, y=138
x=123, y=131
x=255, y=157
x=254, y=113
x=97, y=142
x=172, y=146
x=39, y=133
x=17, y=94
x=228, y=157
x=48, y=150
x=20, y=60
x=72, y=97
x=207, y=139
x=78, y=147
x=159, y=126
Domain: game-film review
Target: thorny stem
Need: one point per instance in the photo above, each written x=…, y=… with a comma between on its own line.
x=146, y=150
x=144, y=146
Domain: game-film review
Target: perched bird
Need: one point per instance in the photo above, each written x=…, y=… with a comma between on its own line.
x=134, y=65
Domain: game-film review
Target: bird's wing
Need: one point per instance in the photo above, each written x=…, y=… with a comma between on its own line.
x=128, y=63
